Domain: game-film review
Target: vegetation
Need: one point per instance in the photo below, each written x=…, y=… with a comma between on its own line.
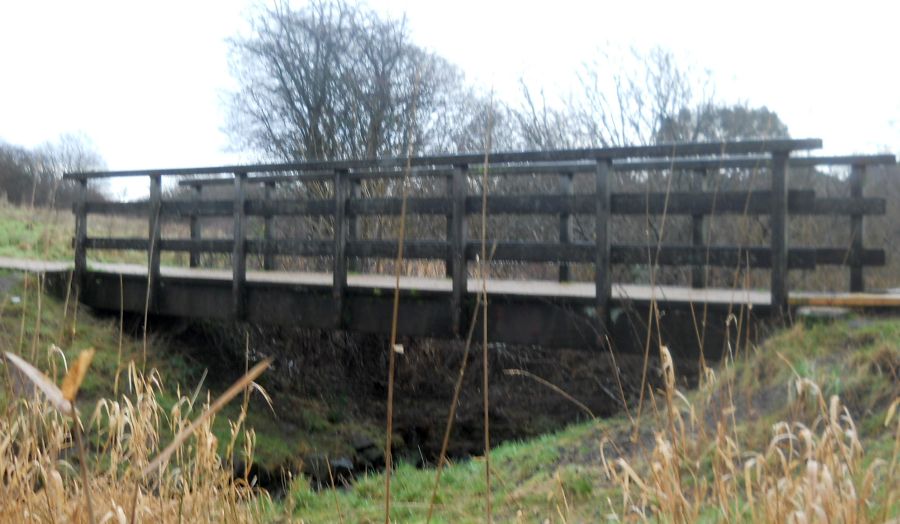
x=802, y=429
x=803, y=426
x=33, y=177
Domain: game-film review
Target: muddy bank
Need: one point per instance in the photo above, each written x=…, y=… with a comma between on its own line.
x=340, y=381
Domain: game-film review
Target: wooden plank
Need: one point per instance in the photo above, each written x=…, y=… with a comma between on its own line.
x=549, y=252
x=118, y=208
x=292, y=247
x=314, y=176
x=845, y=160
x=857, y=229
x=131, y=244
x=839, y=256
x=203, y=208
x=339, y=260
x=391, y=206
x=196, y=229
x=679, y=203
x=663, y=150
x=577, y=166
x=848, y=300
x=208, y=245
x=305, y=207
x=238, y=254
x=748, y=162
x=154, y=235
x=602, y=260
x=778, y=224
x=837, y=206
x=800, y=202
x=269, y=227
x=457, y=241
x=412, y=249
x=721, y=203
x=566, y=224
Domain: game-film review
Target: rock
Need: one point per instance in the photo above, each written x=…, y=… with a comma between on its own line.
x=361, y=442
x=316, y=467
x=369, y=457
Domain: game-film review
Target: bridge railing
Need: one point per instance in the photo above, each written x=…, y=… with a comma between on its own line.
x=347, y=205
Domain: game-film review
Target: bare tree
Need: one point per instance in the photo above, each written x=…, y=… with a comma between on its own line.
x=335, y=80
x=627, y=98
x=34, y=177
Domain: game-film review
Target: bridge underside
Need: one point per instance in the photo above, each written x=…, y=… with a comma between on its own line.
x=520, y=312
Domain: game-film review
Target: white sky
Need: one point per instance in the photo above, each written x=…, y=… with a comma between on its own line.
x=145, y=80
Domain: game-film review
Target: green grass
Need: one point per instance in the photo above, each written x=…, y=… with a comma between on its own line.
x=39, y=233
x=46, y=234
x=560, y=476
x=20, y=332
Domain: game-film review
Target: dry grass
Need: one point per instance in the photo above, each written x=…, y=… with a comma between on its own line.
x=40, y=469
x=812, y=437
x=708, y=461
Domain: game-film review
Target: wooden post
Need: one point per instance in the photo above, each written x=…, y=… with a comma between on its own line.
x=602, y=266
x=457, y=239
x=238, y=253
x=857, y=230
x=195, y=226
x=448, y=262
x=354, y=230
x=779, y=236
x=698, y=230
x=339, y=268
x=155, y=236
x=80, y=246
x=566, y=230
x=268, y=229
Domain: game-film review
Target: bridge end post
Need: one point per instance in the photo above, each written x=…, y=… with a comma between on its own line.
x=238, y=253
x=698, y=229
x=80, y=241
x=196, y=234
x=155, y=237
x=857, y=230
x=566, y=229
x=268, y=229
x=339, y=266
x=602, y=265
x=779, y=234
x=354, y=226
x=457, y=239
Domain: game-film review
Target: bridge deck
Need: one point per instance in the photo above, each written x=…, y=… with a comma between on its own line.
x=524, y=288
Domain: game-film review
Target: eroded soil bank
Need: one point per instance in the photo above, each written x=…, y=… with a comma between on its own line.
x=329, y=392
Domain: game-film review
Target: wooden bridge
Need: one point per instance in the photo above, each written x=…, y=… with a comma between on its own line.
x=560, y=312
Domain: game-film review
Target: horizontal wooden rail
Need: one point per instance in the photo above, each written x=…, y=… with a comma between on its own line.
x=800, y=202
x=756, y=162
x=669, y=255
x=747, y=147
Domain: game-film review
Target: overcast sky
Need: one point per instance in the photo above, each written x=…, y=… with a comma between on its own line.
x=145, y=80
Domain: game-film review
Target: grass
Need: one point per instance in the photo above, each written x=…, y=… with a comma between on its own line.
x=35, y=233
x=127, y=416
x=279, y=444
x=594, y=471
x=46, y=234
